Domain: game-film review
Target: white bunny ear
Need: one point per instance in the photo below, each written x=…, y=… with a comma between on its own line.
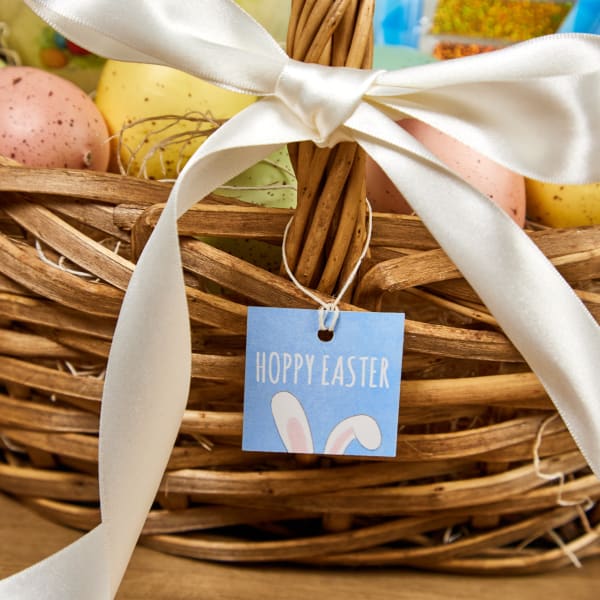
x=292, y=423
x=362, y=428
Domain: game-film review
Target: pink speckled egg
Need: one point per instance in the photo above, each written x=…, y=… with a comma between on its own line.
x=47, y=121
x=504, y=187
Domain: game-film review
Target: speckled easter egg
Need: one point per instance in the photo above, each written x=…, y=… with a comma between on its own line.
x=504, y=187
x=47, y=121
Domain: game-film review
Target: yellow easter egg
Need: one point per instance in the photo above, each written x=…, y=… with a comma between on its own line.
x=559, y=205
x=161, y=115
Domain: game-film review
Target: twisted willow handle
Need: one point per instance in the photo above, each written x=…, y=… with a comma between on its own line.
x=328, y=231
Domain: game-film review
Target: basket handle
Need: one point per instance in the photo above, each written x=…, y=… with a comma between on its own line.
x=328, y=231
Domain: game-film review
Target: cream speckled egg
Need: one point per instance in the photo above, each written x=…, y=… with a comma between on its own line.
x=504, y=187
x=47, y=121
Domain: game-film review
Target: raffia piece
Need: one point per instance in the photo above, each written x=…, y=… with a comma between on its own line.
x=158, y=136
x=8, y=54
x=477, y=432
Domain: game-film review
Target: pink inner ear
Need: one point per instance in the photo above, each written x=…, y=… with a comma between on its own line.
x=297, y=436
x=340, y=443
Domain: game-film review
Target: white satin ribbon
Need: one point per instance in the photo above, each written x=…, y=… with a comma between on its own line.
x=533, y=107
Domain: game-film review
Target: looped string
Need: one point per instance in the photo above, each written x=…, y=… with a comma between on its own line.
x=586, y=501
x=331, y=307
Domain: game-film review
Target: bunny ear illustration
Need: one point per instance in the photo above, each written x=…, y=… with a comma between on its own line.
x=362, y=428
x=291, y=423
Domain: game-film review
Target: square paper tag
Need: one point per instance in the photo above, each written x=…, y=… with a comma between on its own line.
x=305, y=395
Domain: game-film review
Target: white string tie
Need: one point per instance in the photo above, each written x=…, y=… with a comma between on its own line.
x=329, y=309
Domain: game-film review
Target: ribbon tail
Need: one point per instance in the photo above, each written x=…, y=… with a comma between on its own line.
x=77, y=571
x=145, y=391
x=531, y=301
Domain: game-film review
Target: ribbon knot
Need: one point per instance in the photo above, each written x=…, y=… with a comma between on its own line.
x=323, y=97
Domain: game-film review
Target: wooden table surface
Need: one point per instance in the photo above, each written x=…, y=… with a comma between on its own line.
x=26, y=538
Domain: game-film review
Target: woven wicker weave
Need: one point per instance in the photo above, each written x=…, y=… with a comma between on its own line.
x=469, y=489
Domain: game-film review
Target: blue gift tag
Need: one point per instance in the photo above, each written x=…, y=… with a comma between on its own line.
x=307, y=395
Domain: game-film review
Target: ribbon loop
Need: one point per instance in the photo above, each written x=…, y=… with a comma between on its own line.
x=211, y=39
x=323, y=97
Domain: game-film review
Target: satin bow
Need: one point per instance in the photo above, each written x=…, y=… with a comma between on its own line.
x=534, y=107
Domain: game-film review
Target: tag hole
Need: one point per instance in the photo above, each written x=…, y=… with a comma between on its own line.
x=325, y=335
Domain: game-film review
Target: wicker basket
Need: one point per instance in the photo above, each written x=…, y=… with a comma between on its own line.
x=469, y=489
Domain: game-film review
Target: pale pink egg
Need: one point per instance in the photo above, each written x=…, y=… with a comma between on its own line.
x=47, y=121
x=504, y=187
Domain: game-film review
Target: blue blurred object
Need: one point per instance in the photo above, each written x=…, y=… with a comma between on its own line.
x=583, y=18
x=397, y=22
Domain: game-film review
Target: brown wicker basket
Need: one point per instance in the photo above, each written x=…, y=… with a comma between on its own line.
x=469, y=489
